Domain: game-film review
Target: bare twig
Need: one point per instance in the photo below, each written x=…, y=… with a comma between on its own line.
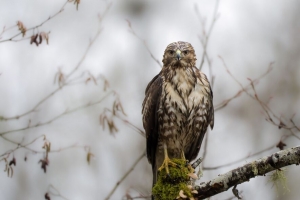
x=58, y=116
x=247, y=87
x=126, y=122
x=35, y=27
x=67, y=77
x=283, y=138
x=241, y=159
x=125, y=175
x=272, y=118
x=144, y=43
x=26, y=146
x=92, y=41
x=206, y=36
x=52, y=191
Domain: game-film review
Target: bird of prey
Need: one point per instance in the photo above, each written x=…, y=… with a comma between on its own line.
x=177, y=109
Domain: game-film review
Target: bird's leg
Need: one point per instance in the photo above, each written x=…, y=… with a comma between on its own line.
x=167, y=161
x=183, y=158
x=187, y=164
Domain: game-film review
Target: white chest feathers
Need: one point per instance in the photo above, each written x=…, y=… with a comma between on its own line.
x=186, y=90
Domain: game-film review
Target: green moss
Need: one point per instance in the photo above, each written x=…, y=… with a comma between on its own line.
x=278, y=177
x=168, y=187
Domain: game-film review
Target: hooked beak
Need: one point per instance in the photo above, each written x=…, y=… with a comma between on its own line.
x=178, y=54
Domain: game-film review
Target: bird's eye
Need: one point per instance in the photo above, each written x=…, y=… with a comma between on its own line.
x=171, y=52
x=185, y=52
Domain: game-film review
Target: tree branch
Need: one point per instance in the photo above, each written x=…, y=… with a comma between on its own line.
x=57, y=116
x=125, y=175
x=206, y=36
x=242, y=174
x=32, y=28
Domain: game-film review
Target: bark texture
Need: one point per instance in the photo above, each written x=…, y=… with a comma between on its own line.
x=244, y=173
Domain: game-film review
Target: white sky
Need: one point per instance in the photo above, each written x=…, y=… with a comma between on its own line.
x=248, y=35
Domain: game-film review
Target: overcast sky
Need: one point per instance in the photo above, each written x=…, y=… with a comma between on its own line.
x=248, y=35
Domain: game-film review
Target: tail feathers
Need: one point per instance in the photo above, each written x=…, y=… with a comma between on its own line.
x=154, y=171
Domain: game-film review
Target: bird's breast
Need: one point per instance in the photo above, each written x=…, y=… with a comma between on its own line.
x=182, y=104
x=185, y=91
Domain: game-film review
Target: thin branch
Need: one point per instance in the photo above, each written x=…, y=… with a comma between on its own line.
x=126, y=122
x=58, y=116
x=240, y=159
x=37, y=26
x=283, y=138
x=91, y=43
x=247, y=87
x=204, y=42
x=144, y=43
x=243, y=174
x=125, y=175
x=54, y=192
x=271, y=116
x=47, y=97
x=26, y=146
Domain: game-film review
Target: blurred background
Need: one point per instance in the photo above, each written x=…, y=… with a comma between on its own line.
x=86, y=160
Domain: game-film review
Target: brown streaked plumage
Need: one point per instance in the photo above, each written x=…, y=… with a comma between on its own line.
x=178, y=107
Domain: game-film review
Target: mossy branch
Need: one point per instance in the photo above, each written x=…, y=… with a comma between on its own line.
x=244, y=173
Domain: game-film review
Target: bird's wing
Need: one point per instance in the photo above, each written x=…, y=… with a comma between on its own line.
x=196, y=144
x=150, y=116
x=209, y=116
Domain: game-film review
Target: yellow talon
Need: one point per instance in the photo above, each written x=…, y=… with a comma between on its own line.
x=167, y=161
x=166, y=164
x=191, y=169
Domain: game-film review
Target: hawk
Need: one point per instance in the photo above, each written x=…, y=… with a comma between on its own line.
x=177, y=109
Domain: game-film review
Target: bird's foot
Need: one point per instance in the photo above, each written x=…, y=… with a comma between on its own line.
x=183, y=158
x=187, y=163
x=167, y=162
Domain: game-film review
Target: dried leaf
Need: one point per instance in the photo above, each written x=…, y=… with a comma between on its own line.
x=117, y=106
x=89, y=156
x=47, y=197
x=111, y=125
x=45, y=36
x=40, y=39
x=281, y=145
x=47, y=146
x=22, y=28
x=77, y=2
x=44, y=163
x=12, y=162
x=33, y=39
x=281, y=124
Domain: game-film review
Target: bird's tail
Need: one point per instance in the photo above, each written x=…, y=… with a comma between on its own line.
x=154, y=171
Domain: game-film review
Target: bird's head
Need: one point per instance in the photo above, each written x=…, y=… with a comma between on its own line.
x=179, y=54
